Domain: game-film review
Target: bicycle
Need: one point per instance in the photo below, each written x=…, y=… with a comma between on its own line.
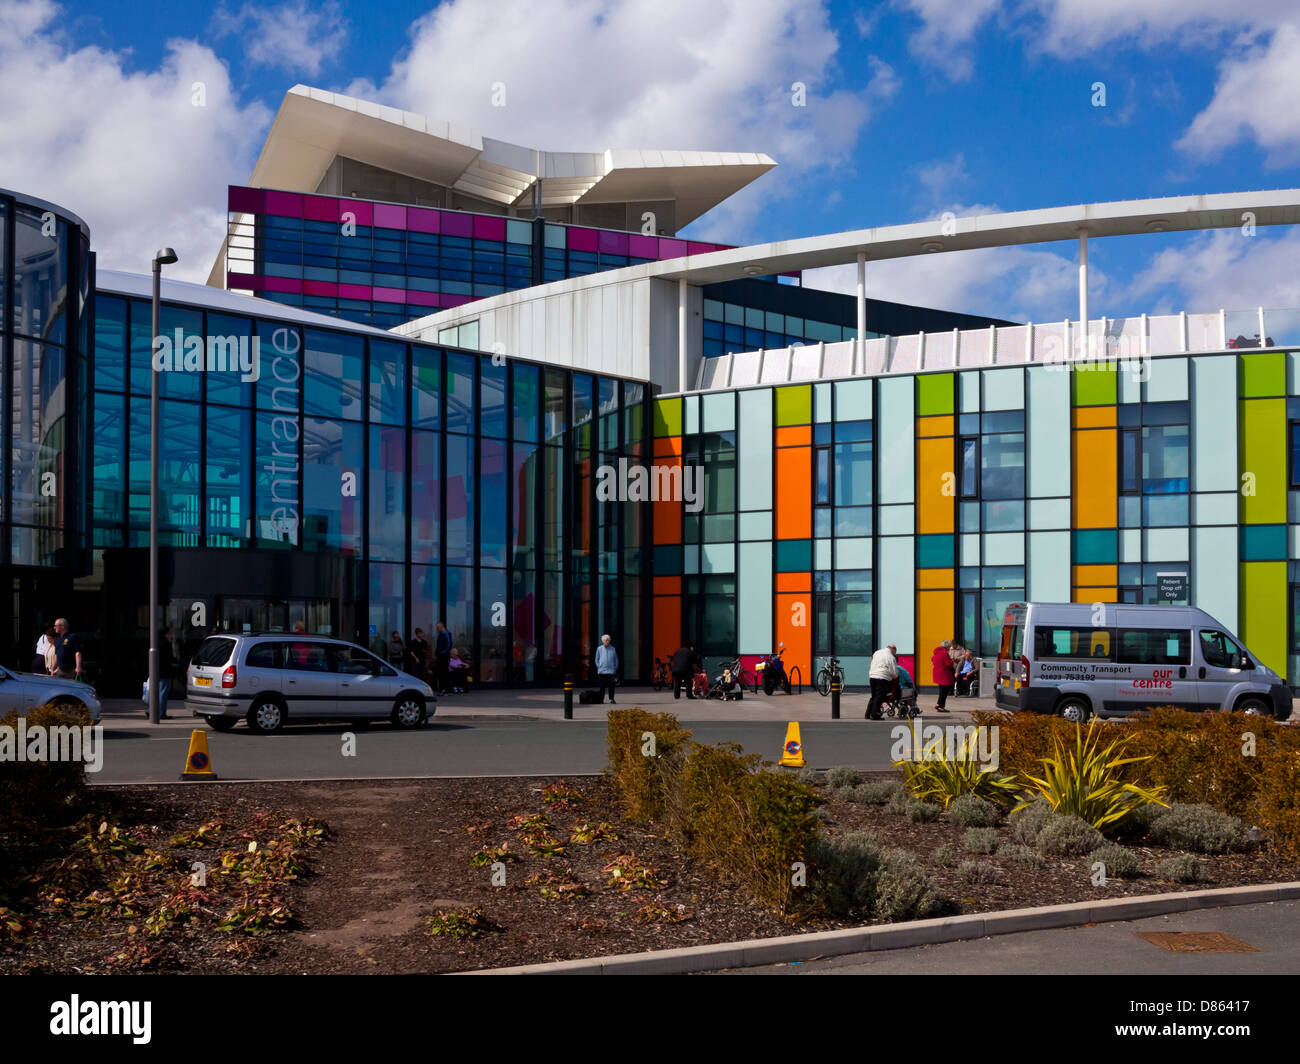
x=830, y=673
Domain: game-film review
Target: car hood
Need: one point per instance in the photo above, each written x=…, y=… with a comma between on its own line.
x=56, y=683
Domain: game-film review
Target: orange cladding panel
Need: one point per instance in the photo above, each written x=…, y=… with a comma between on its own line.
x=794, y=621
x=935, y=475
x=934, y=624
x=794, y=436
x=667, y=626
x=794, y=492
x=793, y=581
x=667, y=512
x=1096, y=472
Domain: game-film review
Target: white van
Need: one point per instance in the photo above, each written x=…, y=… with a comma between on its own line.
x=1077, y=659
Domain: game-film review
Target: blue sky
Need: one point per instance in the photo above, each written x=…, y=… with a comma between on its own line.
x=913, y=108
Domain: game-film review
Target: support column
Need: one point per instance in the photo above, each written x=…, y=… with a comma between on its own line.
x=862, y=300
x=683, y=304
x=1083, y=294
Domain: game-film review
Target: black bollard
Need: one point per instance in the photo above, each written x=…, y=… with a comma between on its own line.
x=835, y=700
x=568, y=696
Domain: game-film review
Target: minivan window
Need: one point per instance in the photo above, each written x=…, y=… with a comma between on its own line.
x=214, y=651
x=265, y=656
x=354, y=661
x=1063, y=641
x=1155, y=646
x=1219, y=650
x=309, y=657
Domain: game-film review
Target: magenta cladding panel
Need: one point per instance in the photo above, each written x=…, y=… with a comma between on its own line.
x=320, y=208
x=250, y=281
x=246, y=200
x=354, y=291
x=390, y=295
x=320, y=288
x=456, y=301
x=582, y=239
x=672, y=249
x=699, y=248
x=363, y=213
x=281, y=284
x=489, y=227
x=390, y=216
x=612, y=243
x=643, y=247
x=457, y=224
x=422, y=220
x=422, y=299
x=284, y=204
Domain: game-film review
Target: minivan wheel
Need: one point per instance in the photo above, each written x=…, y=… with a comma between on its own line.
x=408, y=711
x=266, y=717
x=221, y=723
x=1255, y=707
x=1075, y=710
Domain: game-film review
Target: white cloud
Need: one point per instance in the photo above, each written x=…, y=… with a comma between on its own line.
x=1223, y=269
x=128, y=152
x=947, y=27
x=293, y=36
x=1257, y=97
x=596, y=74
x=943, y=175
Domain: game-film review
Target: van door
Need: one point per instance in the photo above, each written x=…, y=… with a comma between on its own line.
x=363, y=688
x=1218, y=668
x=310, y=686
x=1071, y=660
x=1155, y=669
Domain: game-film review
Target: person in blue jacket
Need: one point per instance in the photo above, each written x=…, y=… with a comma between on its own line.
x=606, y=668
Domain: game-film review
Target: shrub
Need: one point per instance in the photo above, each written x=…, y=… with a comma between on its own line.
x=843, y=776
x=1199, y=829
x=922, y=812
x=980, y=840
x=1120, y=863
x=939, y=778
x=470, y=922
x=944, y=855
x=1068, y=836
x=972, y=811
x=1024, y=856
x=41, y=791
x=1181, y=869
x=824, y=815
x=1085, y=781
x=846, y=794
x=638, y=777
x=1027, y=821
x=904, y=892
x=876, y=792
x=844, y=872
x=978, y=872
x=808, y=775
x=899, y=801
x=1277, y=805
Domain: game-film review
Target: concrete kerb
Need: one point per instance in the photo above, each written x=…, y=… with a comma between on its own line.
x=815, y=946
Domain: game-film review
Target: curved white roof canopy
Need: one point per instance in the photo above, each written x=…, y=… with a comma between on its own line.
x=313, y=126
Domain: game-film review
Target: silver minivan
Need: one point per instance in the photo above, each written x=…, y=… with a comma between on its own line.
x=271, y=677
x=1079, y=659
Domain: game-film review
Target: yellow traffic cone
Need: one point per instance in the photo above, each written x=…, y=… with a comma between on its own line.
x=792, y=752
x=198, y=765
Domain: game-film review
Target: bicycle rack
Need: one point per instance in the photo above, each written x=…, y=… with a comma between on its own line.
x=790, y=676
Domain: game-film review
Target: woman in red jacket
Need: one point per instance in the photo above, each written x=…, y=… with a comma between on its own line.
x=944, y=673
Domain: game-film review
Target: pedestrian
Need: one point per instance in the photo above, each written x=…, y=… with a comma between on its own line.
x=166, y=670
x=683, y=665
x=457, y=671
x=606, y=668
x=943, y=672
x=396, y=651
x=441, y=654
x=44, y=646
x=883, y=676
x=965, y=673
x=67, y=651
x=418, y=648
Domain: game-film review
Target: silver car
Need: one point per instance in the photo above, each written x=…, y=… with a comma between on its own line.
x=271, y=677
x=25, y=691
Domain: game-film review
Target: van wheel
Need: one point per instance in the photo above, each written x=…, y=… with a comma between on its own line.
x=266, y=717
x=1255, y=707
x=1074, y=709
x=408, y=711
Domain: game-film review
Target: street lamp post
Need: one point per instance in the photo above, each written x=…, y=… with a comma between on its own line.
x=164, y=257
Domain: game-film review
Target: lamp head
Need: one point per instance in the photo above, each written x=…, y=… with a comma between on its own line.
x=164, y=257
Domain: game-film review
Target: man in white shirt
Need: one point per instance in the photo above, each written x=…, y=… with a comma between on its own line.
x=883, y=676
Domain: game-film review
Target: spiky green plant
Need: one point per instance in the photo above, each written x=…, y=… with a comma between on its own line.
x=940, y=780
x=1085, y=782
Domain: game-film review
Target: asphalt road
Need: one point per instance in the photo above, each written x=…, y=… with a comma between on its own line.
x=1272, y=928
x=135, y=752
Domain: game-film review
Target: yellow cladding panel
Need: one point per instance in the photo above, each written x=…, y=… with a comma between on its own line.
x=1094, y=417
x=929, y=579
x=1095, y=575
x=934, y=624
x=1096, y=469
x=936, y=486
x=938, y=425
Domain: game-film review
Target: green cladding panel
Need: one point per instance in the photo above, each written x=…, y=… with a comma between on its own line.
x=1262, y=457
x=1262, y=375
x=934, y=394
x=1094, y=384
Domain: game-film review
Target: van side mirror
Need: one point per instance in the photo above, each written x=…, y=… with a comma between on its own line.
x=1243, y=662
